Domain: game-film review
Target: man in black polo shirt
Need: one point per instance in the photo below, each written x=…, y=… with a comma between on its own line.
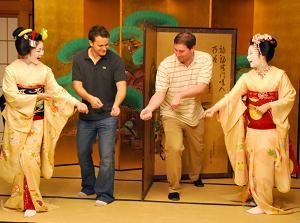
x=98, y=77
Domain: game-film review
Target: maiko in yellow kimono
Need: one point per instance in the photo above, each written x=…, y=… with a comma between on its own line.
x=32, y=128
x=257, y=144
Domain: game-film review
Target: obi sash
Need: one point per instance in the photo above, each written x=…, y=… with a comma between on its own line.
x=39, y=107
x=256, y=120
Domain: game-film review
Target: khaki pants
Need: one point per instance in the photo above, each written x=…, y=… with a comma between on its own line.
x=180, y=136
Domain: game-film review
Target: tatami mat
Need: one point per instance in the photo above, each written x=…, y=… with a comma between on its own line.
x=213, y=194
x=207, y=204
x=69, y=188
x=73, y=171
x=215, y=191
x=78, y=211
x=66, y=182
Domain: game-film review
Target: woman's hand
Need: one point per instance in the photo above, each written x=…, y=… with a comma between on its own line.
x=81, y=107
x=44, y=96
x=210, y=112
x=263, y=108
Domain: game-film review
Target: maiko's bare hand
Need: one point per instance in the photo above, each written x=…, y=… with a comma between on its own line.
x=44, y=96
x=263, y=108
x=209, y=113
x=82, y=108
x=146, y=114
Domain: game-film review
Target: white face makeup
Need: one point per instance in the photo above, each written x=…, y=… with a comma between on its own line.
x=253, y=56
x=36, y=53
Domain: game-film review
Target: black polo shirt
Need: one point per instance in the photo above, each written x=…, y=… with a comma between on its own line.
x=98, y=80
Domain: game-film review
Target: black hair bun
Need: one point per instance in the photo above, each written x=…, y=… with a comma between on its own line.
x=17, y=31
x=273, y=42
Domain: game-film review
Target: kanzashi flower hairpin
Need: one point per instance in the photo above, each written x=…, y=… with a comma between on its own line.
x=258, y=38
x=30, y=35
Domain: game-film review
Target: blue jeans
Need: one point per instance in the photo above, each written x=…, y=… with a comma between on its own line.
x=87, y=131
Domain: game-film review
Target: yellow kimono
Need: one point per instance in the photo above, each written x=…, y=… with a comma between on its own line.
x=259, y=157
x=29, y=143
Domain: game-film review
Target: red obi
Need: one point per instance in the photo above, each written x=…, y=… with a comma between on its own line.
x=256, y=120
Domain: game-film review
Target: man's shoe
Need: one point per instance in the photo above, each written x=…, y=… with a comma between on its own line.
x=174, y=196
x=198, y=183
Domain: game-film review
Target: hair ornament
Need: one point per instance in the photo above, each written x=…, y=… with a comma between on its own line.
x=33, y=35
x=258, y=38
x=25, y=31
x=32, y=43
x=44, y=33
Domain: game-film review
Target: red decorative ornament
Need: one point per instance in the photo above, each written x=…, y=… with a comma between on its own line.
x=33, y=35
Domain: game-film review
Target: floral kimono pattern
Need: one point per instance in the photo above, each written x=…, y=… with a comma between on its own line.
x=257, y=145
x=31, y=131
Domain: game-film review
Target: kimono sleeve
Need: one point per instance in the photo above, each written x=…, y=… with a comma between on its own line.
x=281, y=108
x=52, y=87
x=22, y=104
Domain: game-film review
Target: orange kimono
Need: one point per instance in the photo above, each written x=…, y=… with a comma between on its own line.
x=32, y=128
x=257, y=145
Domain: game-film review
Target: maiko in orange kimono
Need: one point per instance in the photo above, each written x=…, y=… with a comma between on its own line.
x=257, y=145
x=32, y=128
